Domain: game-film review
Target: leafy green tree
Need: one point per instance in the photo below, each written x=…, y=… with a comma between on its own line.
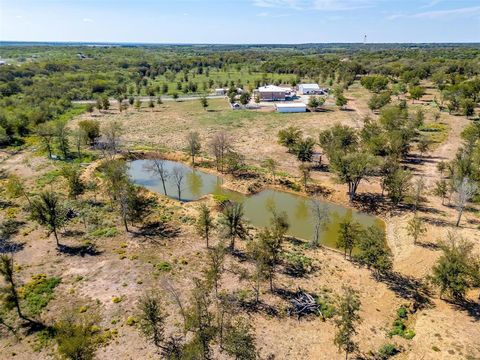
x=205, y=223
x=304, y=149
x=10, y=293
x=239, y=340
x=152, y=319
x=397, y=183
x=232, y=223
x=200, y=323
x=204, y=102
x=138, y=104
x=456, y=270
x=290, y=137
x=313, y=103
x=349, y=235
x=423, y=145
x=115, y=175
x=352, y=168
x=374, y=252
x=245, y=98
x=215, y=266
x=105, y=103
x=76, y=338
x=193, y=145
x=91, y=129
x=341, y=101
x=132, y=204
x=338, y=139
x=468, y=107
x=49, y=211
x=377, y=101
x=415, y=228
x=374, y=83
x=62, y=134
x=416, y=92
x=347, y=321
x=441, y=189
x=73, y=174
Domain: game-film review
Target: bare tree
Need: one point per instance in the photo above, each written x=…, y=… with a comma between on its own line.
x=112, y=132
x=178, y=174
x=175, y=296
x=194, y=145
x=159, y=168
x=464, y=191
x=220, y=146
x=271, y=165
x=321, y=217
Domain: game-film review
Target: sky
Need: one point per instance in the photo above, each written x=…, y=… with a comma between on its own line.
x=240, y=21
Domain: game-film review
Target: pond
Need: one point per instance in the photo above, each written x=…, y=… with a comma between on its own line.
x=195, y=183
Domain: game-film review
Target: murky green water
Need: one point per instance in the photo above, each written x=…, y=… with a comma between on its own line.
x=196, y=184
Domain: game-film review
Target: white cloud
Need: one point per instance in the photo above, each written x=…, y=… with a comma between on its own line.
x=87, y=20
x=270, y=15
x=323, y=5
x=437, y=14
x=466, y=11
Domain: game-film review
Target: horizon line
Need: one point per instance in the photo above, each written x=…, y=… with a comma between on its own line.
x=228, y=44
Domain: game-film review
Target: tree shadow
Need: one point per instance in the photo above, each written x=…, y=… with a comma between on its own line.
x=428, y=245
x=406, y=287
x=472, y=308
x=6, y=247
x=5, y=204
x=155, y=230
x=241, y=256
x=437, y=222
x=81, y=250
x=372, y=203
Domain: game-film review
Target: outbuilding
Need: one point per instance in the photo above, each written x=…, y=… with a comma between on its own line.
x=291, y=107
x=274, y=93
x=310, y=89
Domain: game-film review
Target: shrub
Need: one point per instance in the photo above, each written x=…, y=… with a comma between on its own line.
x=298, y=264
x=75, y=340
x=163, y=266
x=399, y=325
x=38, y=292
x=104, y=232
x=387, y=351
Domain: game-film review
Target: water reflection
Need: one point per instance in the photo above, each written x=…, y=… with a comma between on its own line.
x=257, y=207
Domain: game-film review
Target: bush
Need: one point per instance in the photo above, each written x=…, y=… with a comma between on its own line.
x=402, y=312
x=298, y=264
x=104, y=232
x=75, y=340
x=163, y=266
x=38, y=293
x=399, y=325
x=387, y=351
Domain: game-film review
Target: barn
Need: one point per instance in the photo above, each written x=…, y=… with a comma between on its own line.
x=310, y=89
x=291, y=107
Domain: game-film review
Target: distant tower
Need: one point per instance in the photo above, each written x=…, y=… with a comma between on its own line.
x=365, y=39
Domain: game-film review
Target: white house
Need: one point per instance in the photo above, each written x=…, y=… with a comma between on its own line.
x=296, y=107
x=310, y=89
